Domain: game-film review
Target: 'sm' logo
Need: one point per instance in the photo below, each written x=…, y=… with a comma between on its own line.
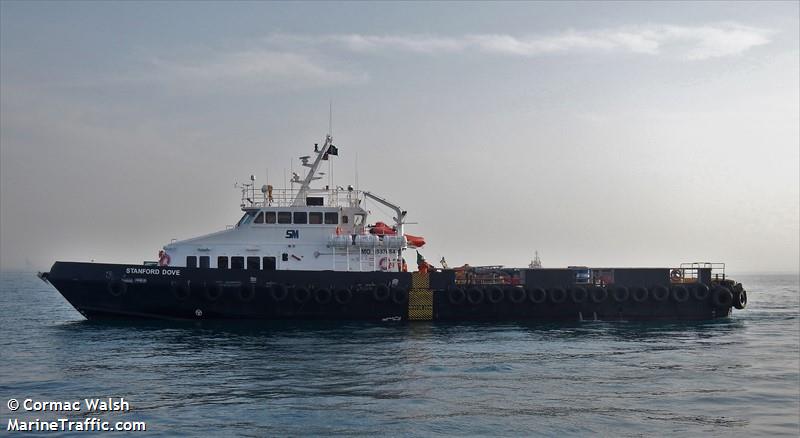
x=292, y=234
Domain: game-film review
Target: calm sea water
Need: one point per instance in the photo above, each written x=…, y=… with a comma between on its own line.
x=739, y=376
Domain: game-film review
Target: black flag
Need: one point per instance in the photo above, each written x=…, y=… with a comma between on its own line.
x=332, y=150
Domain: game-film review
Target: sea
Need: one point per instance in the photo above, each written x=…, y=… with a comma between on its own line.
x=738, y=376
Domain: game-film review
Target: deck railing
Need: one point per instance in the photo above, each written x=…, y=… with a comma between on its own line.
x=272, y=197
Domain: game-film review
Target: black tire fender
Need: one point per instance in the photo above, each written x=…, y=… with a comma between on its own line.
x=301, y=295
x=399, y=296
x=323, y=295
x=537, y=295
x=578, y=294
x=343, y=295
x=680, y=294
x=660, y=293
x=599, y=294
x=247, y=293
x=495, y=294
x=557, y=295
x=456, y=295
x=475, y=295
x=381, y=293
x=700, y=292
x=516, y=294
x=621, y=294
x=640, y=294
x=278, y=292
x=722, y=297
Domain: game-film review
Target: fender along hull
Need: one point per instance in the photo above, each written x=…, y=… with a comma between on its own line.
x=113, y=291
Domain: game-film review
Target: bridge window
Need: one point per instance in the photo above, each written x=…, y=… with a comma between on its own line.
x=253, y=263
x=284, y=217
x=332, y=218
x=191, y=261
x=285, y=257
x=237, y=262
x=222, y=262
x=345, y=219
x=269, y=263
x=269, y=217
x=259, y=218
x=315, y=217
x=204, y=262
x=246, y=218
x=300, y=217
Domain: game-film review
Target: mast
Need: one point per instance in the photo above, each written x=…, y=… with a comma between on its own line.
x=305, y=186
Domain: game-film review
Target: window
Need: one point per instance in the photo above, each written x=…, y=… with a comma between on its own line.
x=222, y=262
x=259, y=218
x=237, y=262
x=191, y=261
x=269, y=263
x=315, y=217
x=246, y=218
x=285, y=257
x=345, y=219
x=300, y=217
x=284, y=217
x=332, y=218
x=269, y=218
x=205, y=262
x=253, y=263
x=359, y=219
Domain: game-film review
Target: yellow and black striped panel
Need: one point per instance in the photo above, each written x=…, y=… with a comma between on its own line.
x=420, y=280
x=420, y=298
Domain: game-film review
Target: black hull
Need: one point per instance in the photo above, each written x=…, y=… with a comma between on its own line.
x=109, y=291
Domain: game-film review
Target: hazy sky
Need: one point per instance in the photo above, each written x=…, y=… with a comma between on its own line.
x=613, y=134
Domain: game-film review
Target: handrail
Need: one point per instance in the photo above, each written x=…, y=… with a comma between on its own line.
x=288, y=197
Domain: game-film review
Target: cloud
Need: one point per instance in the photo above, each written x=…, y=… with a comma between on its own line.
x=687, y=42
x=250, y=71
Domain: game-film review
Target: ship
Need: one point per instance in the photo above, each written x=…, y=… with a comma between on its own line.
x=305, y=253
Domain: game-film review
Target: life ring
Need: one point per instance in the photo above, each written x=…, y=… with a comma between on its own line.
x=381, y=293
x=495, y=295
x=537, y=295
x=343, y=295
x=163, y=258
x=660, y=293
x=456, y=295
x=621, y=294
x=578, y=294
x=516, y=294
x=680, y=294
x=558, y=295
x=399, y=296
x=641, y=294
x=676, y=274
x=323, y=296
x=700, y=292
x=301, y=295
x=475, y=295
x=278, y=292
x=722, y=297
x=599, y=295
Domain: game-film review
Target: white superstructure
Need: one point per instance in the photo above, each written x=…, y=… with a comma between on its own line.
x=300, y=229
